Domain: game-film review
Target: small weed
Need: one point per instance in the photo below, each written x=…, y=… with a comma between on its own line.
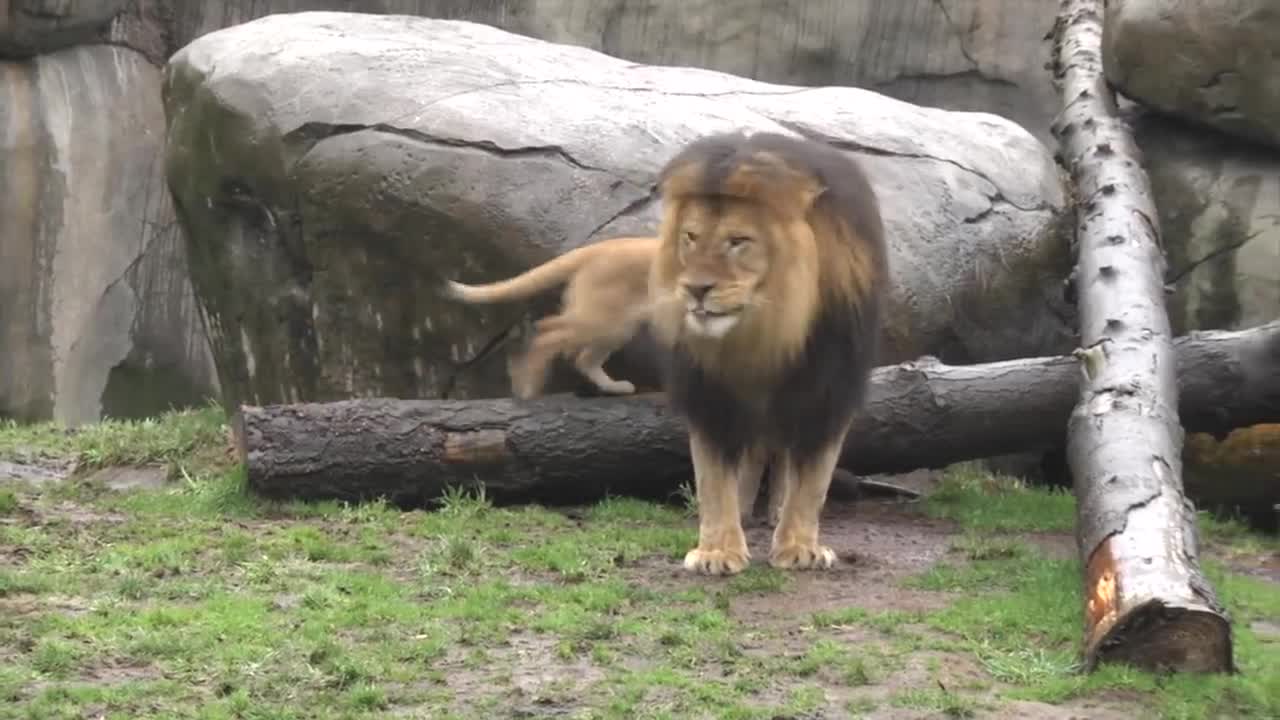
x=8, y=501
x=839, y=618
x=758, y=579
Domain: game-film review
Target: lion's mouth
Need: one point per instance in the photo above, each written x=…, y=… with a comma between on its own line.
x=711, y=323
x=703, y=313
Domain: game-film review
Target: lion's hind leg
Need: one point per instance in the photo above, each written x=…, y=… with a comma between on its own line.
x=722, y=545
x=749, y=476
x=795, y=539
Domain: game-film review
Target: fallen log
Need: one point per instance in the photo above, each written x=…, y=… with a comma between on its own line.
x=922, y=414
x=1147, y=601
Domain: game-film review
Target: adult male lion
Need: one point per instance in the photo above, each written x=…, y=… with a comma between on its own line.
x=767, y=290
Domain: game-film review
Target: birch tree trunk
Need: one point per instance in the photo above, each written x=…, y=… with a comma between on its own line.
x=1147, y=602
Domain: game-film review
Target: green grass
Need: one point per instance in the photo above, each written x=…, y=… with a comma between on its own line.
x=198, y=600
x=1012, y=614
x=981, y=501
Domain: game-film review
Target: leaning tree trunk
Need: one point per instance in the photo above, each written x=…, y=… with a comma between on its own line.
x=918, y=415
x=1146, y=600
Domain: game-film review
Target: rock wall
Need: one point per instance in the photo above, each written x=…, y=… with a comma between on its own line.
x=1213, y=62
x=97, y=316
x=1219, y=205
x=979, y=55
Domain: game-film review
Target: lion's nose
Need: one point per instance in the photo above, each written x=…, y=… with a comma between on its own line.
x=697, y=291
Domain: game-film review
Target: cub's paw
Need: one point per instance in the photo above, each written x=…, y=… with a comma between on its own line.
x=716, y=562
x=803, y=557
x=619, y=387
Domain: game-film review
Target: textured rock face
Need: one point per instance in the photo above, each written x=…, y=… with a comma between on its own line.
x=96, y=311
x=29, y=27
x=1211, y=61
x=978, y=55
x=1219, y=205
x=328, y=169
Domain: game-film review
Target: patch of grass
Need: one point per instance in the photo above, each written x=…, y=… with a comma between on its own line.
x=1025, y=666
x=1235, y=535
x=55, y=657
x=175, y=437
x=758, y=579
x=835, y=661
x=1019, y=615
x=8, y=501
x=979, y=500
x=841, y=617
x=949, y=704
x=985, y=564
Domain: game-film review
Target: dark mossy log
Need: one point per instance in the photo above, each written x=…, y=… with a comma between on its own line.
x=1147, y=602
x=564, y=448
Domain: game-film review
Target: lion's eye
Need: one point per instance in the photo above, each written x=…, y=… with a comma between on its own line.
x=738, y=241
x=688, y=238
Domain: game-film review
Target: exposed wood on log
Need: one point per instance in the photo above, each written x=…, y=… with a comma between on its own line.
x=1147, y=601
x=563, y=448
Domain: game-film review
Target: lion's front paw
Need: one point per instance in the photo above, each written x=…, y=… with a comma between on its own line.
x=803, y=556
x=716, y=562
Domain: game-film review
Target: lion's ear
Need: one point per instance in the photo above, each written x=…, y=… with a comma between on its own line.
x=681, y=179
x=808, y=189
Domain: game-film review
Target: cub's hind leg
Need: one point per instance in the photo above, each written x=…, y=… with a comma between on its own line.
x=590, y=362
x=529, y=370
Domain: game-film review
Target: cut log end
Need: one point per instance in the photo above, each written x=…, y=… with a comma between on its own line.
x=1151, y=633
x=1163, y=638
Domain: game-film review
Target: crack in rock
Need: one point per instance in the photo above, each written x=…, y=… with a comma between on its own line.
x=1209, y=257
x=972, y=73
x=630, y=208
x=853, y=146
x=1217, y=77
x=313, y=132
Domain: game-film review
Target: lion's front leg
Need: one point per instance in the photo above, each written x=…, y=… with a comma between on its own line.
x=795, y=539
x=722, y=546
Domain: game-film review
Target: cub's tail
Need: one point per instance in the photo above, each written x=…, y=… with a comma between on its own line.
x=527, y=284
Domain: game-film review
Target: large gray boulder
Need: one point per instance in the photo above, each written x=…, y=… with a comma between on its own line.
x=1213, y=62
x=97, y=316
x=1219, y=205
x=329, y=169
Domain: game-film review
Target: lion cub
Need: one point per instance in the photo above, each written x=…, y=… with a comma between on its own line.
x=604, y=304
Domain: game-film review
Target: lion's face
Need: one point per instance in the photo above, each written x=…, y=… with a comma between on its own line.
x=723, y=253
